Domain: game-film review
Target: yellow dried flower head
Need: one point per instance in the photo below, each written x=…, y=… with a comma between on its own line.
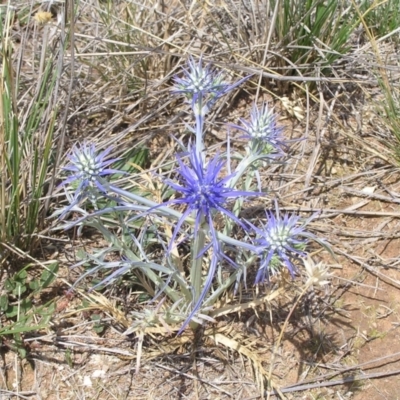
x=42, y=17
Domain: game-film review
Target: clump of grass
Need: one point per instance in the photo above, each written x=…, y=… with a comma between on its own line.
x=391, y=105
x=381, y=17
x=392, y=111
x=30, y=78
x=310, y=34
x=28, y=111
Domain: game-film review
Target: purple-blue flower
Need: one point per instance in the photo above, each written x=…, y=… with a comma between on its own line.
x=262, y=131
x=204, y=193
x=202, y=86
x=281, y=239
x=88, y=167
x=197, y=79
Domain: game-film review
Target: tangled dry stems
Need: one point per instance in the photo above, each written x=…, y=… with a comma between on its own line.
x=141, y=51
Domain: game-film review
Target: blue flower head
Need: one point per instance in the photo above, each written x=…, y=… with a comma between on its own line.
x=202, y=85
x=281, y=239
x=88, y=168
x=204, y=193
x=198, y=80
x=264, y=135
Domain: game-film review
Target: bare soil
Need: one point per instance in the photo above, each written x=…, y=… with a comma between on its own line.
x=342, y=341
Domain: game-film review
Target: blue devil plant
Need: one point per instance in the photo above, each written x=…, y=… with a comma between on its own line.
x=204, y=188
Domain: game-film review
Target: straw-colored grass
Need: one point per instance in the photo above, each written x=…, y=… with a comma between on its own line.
x=102, y=71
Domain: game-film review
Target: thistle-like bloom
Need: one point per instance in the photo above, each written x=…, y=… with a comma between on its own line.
x=204, y=194
x=87, y=167
x=197, y=79
x=262, y=131
x=202, y=86
x=282, y=239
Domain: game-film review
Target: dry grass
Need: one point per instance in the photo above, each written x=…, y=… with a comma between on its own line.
x=117, y=71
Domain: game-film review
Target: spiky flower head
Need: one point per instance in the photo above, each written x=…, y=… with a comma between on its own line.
x=202, y=85
x=198, y=80
x=202, y=189
x=204, y=193
x=281, y=240
x=265, y=137
x=88, y=168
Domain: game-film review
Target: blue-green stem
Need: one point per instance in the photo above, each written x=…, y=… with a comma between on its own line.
x=156, y=208
x=197, y=263
x=244, y=164
x=199, y=114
